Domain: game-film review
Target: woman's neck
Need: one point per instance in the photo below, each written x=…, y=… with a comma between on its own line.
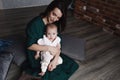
x=45, y=20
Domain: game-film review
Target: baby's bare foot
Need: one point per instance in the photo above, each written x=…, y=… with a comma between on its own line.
x=42, y=73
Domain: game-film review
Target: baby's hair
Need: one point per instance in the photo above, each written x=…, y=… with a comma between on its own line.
x=51, y=26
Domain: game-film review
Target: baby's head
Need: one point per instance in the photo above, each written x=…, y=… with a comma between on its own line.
x=51, y=32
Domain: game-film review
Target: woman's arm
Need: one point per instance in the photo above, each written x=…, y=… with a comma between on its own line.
x=57, y=55
x=54, y=62
x=58, y=46
x=36, y=47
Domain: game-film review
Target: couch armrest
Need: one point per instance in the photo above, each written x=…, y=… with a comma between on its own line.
x=5, y=60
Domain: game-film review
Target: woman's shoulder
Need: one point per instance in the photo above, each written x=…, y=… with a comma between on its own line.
x=36, y=19
x=35, y=22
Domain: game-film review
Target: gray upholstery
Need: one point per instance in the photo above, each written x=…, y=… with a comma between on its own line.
x=5, y=61
x=18, y=48
x=73, y=47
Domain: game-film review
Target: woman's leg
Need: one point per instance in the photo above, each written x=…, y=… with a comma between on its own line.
x=63, y=71
x=26, y=76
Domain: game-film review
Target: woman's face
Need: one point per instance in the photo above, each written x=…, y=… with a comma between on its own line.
x=54, y=15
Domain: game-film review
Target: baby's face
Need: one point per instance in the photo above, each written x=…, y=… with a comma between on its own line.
x=51, y=34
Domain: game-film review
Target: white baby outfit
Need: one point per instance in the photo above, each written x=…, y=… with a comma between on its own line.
x=45, y=55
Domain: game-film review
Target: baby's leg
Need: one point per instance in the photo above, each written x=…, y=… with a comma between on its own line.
x=41, y=73
x=60, y=60
x=43, y=68
x=45, y=62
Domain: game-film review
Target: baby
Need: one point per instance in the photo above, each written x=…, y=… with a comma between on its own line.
x=50, y=38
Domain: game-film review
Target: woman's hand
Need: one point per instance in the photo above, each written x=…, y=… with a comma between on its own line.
x=54, y=50
x=52, y=65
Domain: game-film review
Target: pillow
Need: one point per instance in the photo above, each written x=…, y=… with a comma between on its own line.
x=18, y=48
x=73, y=47
x=5, y=61
x=4, y=44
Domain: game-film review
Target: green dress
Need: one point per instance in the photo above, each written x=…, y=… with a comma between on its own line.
x=35, y=30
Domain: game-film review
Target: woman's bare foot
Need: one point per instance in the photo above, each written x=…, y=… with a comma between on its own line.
x=42, y=73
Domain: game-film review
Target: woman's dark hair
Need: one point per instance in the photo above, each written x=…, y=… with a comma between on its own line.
x=63, y=8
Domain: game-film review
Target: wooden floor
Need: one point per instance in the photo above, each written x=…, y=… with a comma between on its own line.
x=102, y=51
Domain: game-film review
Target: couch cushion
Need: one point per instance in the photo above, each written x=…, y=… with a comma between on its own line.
x=17, y=47
x=73, y=47
x=5, y=60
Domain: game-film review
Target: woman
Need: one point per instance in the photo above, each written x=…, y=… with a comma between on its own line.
x=55, y=13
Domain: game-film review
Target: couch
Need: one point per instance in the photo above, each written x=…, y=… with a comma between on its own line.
x=14, y=55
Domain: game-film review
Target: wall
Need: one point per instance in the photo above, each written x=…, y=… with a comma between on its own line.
x=1, y=4
x=10, y=4
x=104, y=13
x=14, y=21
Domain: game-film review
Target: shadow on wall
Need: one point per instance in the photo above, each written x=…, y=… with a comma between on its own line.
x=8, y=4
x=14, y=20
